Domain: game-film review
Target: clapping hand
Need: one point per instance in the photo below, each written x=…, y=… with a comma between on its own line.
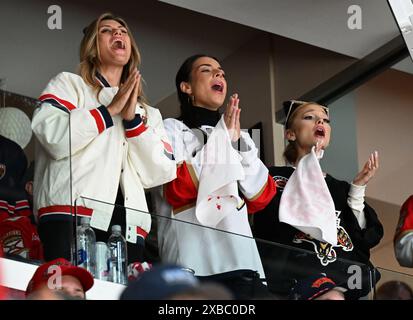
x=128, y=113
x=122, y=96
x=232, y=116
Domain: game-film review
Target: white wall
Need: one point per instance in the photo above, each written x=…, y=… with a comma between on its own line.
x=340, y=158
x=384, y=123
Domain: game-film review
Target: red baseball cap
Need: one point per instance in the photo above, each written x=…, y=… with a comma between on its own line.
x=43, y=273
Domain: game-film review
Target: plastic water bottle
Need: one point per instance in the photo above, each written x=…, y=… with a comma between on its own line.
x=86, y=246
x=118, y=256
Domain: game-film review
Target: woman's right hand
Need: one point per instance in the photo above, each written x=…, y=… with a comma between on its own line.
x=125, y=90
x=231, y=118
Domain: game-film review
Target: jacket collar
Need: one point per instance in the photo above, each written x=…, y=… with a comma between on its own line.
x=101, y=79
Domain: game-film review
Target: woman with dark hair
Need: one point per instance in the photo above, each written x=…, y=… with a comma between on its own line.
x=313, y=211
x=116, y=145
x=217, y=183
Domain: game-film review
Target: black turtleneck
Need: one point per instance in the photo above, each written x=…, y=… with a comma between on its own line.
x=194, y=117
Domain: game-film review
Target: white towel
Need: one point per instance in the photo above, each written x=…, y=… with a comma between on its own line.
x=221, y=169
x=306, y=202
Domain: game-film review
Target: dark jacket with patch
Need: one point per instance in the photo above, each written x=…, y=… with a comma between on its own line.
x=299, y=256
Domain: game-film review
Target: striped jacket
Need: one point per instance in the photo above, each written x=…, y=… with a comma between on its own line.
x=83, y=155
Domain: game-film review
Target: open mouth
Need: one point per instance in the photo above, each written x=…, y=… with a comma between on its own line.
x=218, y=86
x=118, y=44
x=320, y=132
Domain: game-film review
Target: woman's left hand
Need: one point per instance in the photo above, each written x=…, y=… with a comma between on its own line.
x=128, y=112
x=368, y=171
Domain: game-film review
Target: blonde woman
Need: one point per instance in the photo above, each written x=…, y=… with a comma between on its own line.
x=99, y=122
x=316, y=212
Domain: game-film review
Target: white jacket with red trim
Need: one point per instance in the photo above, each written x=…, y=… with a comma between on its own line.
x=81, y=151
x=211, y=234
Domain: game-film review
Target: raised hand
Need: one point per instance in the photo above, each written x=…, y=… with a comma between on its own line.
x=120, y=99
x=232, y=116
x=319, y=148
x=368, y=171
x=128, y=113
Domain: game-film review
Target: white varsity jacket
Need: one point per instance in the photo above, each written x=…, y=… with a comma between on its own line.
x=83, y=152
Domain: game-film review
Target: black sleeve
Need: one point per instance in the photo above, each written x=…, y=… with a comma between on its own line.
x=371, y=235
x=373, y=232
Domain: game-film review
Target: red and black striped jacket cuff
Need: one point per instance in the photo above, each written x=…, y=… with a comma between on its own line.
x=102, y=118
x=261, y=200
x=134, y=127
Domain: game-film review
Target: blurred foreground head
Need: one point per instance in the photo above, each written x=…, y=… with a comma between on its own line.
x=59, y=279
x=170, y=282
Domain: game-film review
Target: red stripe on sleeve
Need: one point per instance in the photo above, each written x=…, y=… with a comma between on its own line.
x=136, y=132
x=98, y=118
x=183, y=190
x=260, y=202
x=67, y=104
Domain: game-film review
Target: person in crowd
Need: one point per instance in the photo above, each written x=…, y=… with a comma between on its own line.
x=97, y=142
x=316, y=287
x=18, y=232
x=314, y=212
x=13, y=165
x=394, y=290
x=403, y=238
x=220, y=180
x=59, y=279
x=172, y=282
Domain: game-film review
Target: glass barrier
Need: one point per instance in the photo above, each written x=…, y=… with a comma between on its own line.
x=230, y=258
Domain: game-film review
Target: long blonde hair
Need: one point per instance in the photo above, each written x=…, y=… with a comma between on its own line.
x=90, y=56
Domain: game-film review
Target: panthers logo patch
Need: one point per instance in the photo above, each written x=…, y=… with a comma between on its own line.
x=13, y=244
x=325, y=251
x=280, y=182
